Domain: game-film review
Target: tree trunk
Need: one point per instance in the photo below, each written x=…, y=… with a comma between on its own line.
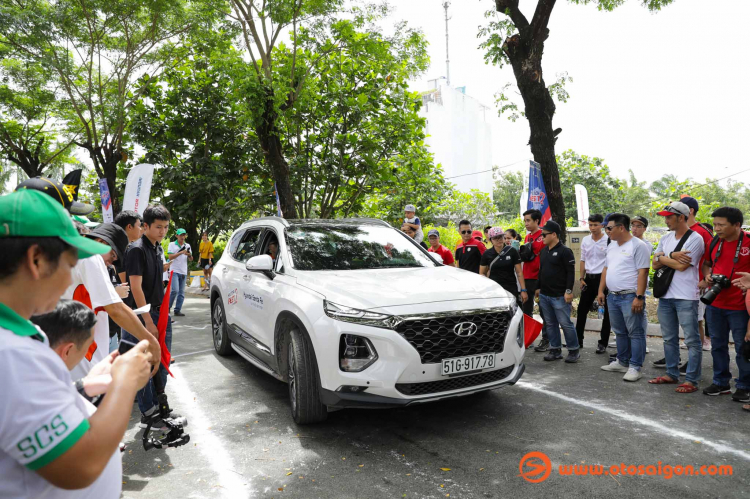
x=270, y=143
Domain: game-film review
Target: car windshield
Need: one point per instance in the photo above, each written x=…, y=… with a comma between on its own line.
x=352, y=247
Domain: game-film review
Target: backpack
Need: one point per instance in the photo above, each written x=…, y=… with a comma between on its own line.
x=527, y=252
x=663, y=276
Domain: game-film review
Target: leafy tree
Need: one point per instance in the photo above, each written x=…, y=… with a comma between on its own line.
x=507, y=192
x=475, y=206
x=592, y=173
x=515, y=40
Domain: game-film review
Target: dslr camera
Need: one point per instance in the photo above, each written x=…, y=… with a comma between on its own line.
x=720, y=282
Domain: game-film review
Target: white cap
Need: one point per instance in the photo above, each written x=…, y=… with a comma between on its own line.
x=409, y=207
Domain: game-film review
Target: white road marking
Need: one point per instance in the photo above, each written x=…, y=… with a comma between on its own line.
x=201, y=328
x=722, y=448
x=232, y=485
x=192, y=353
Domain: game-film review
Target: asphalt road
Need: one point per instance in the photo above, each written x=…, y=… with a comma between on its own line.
x=244, y=442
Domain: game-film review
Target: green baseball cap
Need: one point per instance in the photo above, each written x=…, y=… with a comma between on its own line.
x=181, y=232
x=30, y=213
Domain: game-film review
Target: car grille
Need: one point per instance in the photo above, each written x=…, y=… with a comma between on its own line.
x=434, y=339
x=446, y=385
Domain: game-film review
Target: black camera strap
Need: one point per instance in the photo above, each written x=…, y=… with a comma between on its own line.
x=736, y=253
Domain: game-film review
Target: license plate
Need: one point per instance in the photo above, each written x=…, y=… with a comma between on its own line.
x=469, y=363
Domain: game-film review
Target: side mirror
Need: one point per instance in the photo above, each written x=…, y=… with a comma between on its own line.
x=260, y=263
x=437, y=257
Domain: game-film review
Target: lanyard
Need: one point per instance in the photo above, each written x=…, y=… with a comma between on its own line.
x=736, y=252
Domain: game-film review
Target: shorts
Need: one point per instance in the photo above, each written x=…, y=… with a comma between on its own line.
x=204, y=263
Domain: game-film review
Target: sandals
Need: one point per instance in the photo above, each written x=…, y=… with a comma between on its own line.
x=746, y=407
x=663, y=380
x=686, y=388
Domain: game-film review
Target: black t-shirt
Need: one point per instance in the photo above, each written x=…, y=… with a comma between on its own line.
x=503, y=271
x=557, y=269
x=469, y=254
x=143, y=259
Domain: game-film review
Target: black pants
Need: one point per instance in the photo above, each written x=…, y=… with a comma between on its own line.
x=588, y=297
x=528, y=307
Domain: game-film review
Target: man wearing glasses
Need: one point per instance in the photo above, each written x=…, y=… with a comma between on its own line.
x=534, y=240
x=625, y=275
x=469, y=251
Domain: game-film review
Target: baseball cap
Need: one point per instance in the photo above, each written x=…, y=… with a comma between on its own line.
x=181, y=232
x=495, y=232
x=114, y=235
x=29, y=213
x=58, y=192
x=409, y=207
x=433, y=232
x=641, y=219
x=552, y=226
x=477, y=234
x=675, y=208
x=690, y=203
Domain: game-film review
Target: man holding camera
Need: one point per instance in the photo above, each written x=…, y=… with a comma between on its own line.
x=729, y=253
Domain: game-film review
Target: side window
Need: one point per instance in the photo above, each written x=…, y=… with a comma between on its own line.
x=271, y=247
x=246, y=247
x=235, y=242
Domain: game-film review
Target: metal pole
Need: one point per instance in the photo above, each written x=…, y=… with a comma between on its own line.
x=447, y=58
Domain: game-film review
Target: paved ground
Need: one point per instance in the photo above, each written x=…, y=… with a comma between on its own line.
x=245, y=444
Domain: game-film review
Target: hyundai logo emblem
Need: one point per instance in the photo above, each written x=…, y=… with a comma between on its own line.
x=465, y=329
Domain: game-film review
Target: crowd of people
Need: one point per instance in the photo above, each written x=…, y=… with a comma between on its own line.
x=701, y=275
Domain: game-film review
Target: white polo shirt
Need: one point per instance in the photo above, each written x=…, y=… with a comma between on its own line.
x=92, y=287
x=41, y=416
x=623, y=263
x=684, y=285
x=594, y=254
x=179, y=264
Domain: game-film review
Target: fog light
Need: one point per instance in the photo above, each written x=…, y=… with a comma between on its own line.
x=351, y=389
x=519, y=334
x=356, y=353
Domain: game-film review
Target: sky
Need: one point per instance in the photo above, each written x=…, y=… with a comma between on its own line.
x=655, y=93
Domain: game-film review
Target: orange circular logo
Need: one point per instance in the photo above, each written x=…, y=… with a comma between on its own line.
x=535, y=467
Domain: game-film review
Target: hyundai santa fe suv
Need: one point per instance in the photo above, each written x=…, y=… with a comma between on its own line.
x=353, y=313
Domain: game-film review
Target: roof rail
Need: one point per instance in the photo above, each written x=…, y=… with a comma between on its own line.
x=377, y=220
x=282, y=221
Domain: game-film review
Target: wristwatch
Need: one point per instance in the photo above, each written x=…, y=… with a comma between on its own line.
x=568, y=291
x=524, y=291
x=640, y=297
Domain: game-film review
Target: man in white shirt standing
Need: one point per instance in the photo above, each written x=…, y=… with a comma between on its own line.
x=179, y=253
x=679, y=306
x=593, y=257
x=625, y=275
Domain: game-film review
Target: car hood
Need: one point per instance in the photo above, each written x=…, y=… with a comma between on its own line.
x=376, y=288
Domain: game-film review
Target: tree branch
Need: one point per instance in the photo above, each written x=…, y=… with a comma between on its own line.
x=539, y=22
x=510, y=9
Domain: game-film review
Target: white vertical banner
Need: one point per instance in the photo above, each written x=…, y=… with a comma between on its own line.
x=106, y=201
x=582, y=204
x=524, y=202
x=138, y=188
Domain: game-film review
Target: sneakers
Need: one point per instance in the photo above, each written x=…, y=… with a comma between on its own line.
x=739, y=395
x=542, y=346
x=156, y=422
x=707, y=344
x=600, y=348
x=615, y=367
x=683, y=345
x=717, y=390
x=553, y=354
x=682, y=366
x=573, y=356
x=633, y=374
x=178, y=313
x=661, y=363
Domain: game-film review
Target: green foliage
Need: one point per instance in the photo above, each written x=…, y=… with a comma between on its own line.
x=507, y=192
x=449, y=235
x=475, y=206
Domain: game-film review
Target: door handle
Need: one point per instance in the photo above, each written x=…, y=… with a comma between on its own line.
x=246, y=277
x=225, y=269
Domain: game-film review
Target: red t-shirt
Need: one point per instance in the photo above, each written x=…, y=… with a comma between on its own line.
x=731, y=298
x=443, y=252
x=531, y=269
x=707, y=238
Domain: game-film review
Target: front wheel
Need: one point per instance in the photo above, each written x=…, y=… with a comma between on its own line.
x=222, y=344
x=304, y=397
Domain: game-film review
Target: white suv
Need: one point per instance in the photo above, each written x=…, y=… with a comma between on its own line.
x=353, y=313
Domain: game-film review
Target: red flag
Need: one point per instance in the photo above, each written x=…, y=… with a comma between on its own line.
x=166, y=357
x=531, y=329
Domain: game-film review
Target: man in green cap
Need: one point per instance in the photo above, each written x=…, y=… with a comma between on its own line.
x=50, y=437
x=179, y=253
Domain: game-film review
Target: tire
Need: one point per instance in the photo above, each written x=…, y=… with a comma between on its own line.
x=304, y=398
x=221, y=341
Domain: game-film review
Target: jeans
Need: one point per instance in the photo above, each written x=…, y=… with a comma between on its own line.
x=528, y=307
x=178, y=291
x=147, y=396
x=721, y=322
x=584, y=305
x=629, y=331
x=674, y=313
x=557, y=314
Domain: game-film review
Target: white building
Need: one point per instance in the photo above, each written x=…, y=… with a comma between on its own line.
x=459, y=136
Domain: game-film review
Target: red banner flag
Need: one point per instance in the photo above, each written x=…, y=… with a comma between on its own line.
x=166, y=357
x=531, y=329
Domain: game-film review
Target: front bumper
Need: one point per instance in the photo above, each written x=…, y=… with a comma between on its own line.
x=341, y=400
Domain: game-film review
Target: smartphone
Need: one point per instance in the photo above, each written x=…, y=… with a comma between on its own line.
x=125, y=345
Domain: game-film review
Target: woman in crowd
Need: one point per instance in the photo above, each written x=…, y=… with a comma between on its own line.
x=512, y=239
x=502, y=264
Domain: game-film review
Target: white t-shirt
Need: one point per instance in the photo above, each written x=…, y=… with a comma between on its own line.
x=41, y=417
x=648, y=245
x=179, y=264
x=594, y=253
x=684, y=285
x=91, y=279
x=623, y=263
x=418, y=235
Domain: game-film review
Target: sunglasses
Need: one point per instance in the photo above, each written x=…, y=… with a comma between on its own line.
x=609, y=229
x=466, y=232
x=545, y=234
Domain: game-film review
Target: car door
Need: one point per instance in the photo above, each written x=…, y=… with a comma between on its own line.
x=242, y=248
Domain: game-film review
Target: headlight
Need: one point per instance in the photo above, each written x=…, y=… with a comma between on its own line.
x=357, y=316
x=356, y=353
x=520, y=337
